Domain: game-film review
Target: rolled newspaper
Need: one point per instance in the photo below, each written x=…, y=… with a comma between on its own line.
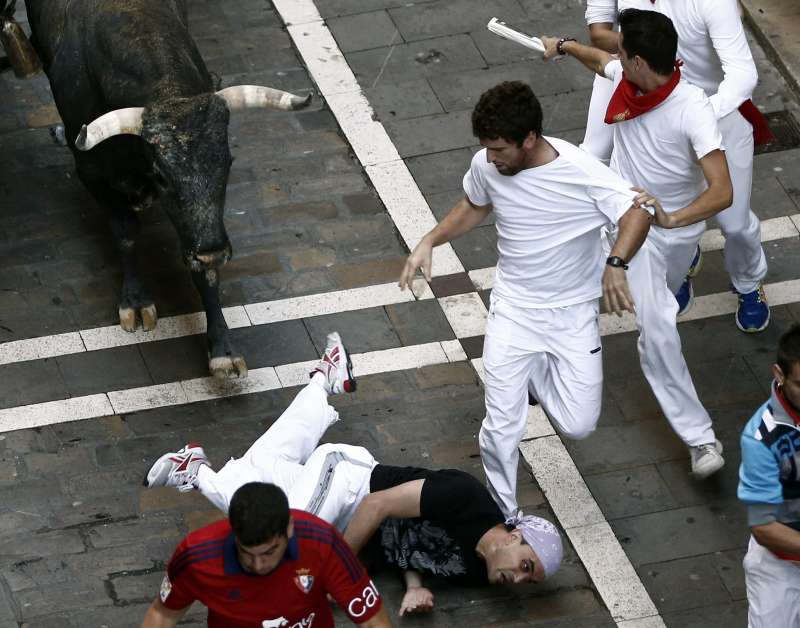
x=499, y=28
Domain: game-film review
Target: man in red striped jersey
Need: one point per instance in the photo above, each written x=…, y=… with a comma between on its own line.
x=266, y=566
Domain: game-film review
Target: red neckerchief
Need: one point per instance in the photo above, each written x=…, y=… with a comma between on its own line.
x=625, y=104
x=793, y=414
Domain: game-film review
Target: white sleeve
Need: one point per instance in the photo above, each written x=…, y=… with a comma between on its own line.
x=601, y=11
x=703, y=130
x=612, y=203
x=727, y=35
x=475, y=181
x=612, y=70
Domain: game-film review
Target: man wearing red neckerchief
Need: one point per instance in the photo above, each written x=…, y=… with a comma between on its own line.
x=666, y=140
x=769, y=483
x=717, y=58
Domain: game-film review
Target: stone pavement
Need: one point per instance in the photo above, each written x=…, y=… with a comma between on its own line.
x=81, y=544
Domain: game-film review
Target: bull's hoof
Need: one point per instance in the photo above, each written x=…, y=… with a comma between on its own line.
x=127, y=319
x=149, y=317
x=130, y=318
x=228, y=367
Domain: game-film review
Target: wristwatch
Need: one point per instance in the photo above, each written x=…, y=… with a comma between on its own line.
x=560, y=44
x=616, y=262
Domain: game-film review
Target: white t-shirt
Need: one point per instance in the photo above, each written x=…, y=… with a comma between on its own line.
x=658, y=150
x=712, y=45
x=548, y=220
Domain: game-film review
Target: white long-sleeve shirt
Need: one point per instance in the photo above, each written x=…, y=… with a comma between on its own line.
x=711, y=44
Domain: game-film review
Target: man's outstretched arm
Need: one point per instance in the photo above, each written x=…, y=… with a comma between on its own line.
x=462, y=218
x=401, y=501
x=777, y=537
x=593, y=58
x=159, y=616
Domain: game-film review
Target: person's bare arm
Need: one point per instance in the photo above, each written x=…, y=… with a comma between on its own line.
x=462, y=218
x=604, y=37
x=594, y=59
x=380, y=620
x=718, y=195
x=159, y=616
x=777, y=537
x=401, y=501
x=633, y=228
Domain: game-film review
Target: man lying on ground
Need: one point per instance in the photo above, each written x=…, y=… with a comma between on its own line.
x=441, y=523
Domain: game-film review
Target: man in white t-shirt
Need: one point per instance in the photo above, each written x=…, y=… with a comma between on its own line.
x=665, y=138
x=550, y=200
x=717, y=58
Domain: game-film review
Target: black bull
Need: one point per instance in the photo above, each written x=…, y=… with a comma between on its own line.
x=143, y=122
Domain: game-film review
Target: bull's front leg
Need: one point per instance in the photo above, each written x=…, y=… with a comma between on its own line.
x=223, y=362
x=135, y=303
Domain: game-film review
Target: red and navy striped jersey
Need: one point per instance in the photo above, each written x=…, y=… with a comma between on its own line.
x=206, y=568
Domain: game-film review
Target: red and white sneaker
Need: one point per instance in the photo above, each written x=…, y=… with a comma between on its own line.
x=336, y=366
x=177, y=469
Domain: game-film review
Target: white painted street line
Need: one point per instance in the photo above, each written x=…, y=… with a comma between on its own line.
x=410, y=212
x=366, y=135
x=327, y=303
x=466, y=314
x=167, y=328
x=324, y=60
x=191, y=324
x=538, y=425
x=51, y=412
x=561, y=482
x=42, y=347
x=771, y=229
x=206, y=388
x=294, y=12
x=147, y=397
x=644, y=622
x=613, y=574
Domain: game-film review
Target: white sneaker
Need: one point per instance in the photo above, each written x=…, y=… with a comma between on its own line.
x=706, y=459
x=335, y=365
x=177, y=469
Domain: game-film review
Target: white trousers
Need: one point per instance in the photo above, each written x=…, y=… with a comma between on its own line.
x=329, y=481
x=553, y=353
x=655, y=273
x=773, y=589
x=599, y=137
x=744, y=256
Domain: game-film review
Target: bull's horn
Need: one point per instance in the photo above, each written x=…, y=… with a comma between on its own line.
x=241, y=97
x=117, y=122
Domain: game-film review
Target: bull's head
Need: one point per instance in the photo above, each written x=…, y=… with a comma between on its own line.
x=191, y=159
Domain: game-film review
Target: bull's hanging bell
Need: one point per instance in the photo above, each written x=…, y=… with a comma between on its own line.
x=19, y=51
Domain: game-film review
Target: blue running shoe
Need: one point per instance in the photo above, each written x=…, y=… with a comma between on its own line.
x=752, y=315
x=697, y=263
x=685, y=296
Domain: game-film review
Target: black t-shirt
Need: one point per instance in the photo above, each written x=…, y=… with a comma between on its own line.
x=456, y=511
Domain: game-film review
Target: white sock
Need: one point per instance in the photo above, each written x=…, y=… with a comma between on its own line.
x=319, y=379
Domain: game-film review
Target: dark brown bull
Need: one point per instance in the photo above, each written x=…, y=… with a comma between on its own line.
x=143, y=121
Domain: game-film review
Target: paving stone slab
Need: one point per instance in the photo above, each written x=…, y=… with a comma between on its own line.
x=431, y=134
x=415, y=60
x=684, y=584
x=101, y=371
x=402, y=101
x=451, y=17
x=630, y=492
x=419, y=322
x=440, y=172
x=679, y=533
x=24, y=383
x=364, y=31
x=734, y=614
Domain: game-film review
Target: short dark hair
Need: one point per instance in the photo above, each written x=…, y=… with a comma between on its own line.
x=509, y=111
x=258, y=512
x=652, y=36
x=789, y=349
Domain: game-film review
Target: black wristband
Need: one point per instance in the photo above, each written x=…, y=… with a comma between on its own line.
x=560, y=44
x=616, y=262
